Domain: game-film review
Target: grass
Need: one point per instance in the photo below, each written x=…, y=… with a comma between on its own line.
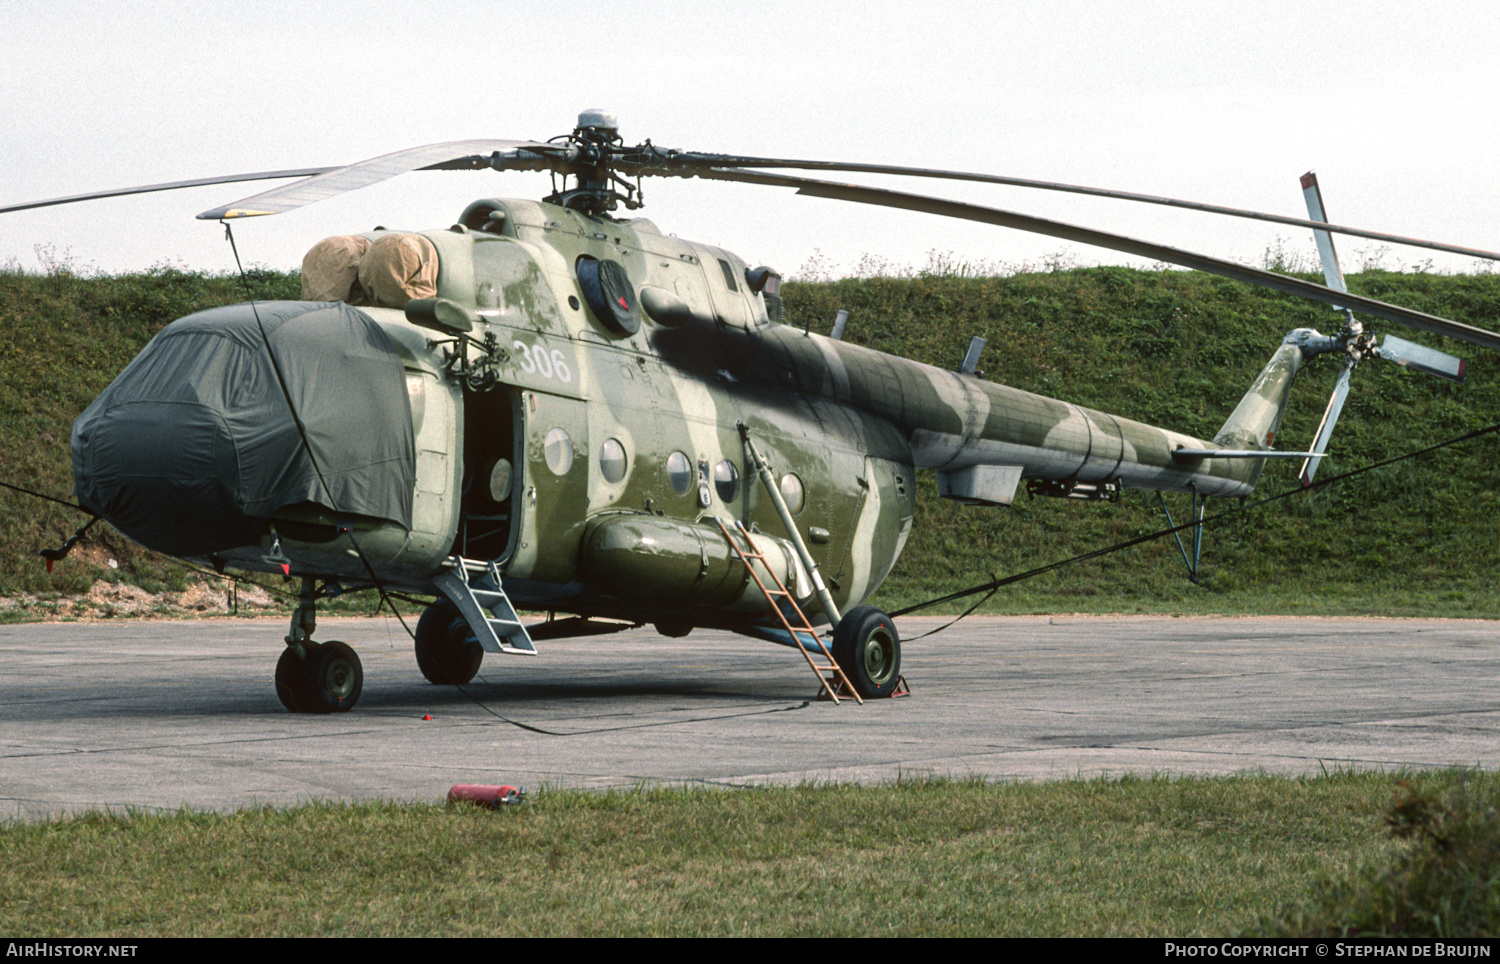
x=1445, y=883
x=1129, y=857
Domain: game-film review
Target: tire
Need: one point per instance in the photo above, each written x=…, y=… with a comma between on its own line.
x=332, y=679
x=868, y=650
x=447, y=653
x=289, y=680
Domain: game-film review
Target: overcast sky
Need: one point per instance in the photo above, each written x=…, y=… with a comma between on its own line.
x=1392, y=103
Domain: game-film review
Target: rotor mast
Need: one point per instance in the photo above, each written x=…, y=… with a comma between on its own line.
x=593, y=146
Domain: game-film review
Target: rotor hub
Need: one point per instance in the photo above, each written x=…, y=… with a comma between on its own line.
x=596, y=145
x=597, y=126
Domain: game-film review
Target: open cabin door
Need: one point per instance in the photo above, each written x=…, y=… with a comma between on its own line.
x=492, y=476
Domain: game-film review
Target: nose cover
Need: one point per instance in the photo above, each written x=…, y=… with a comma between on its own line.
x=194, y=445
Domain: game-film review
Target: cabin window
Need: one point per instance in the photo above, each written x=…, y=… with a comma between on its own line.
x=680, y=473
x=727, y=481
x=558, y=450
x=500, y=479
x=728, y=275
x=792, y=493
x=612, y=460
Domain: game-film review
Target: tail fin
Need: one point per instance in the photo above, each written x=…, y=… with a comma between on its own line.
x=1257, y=418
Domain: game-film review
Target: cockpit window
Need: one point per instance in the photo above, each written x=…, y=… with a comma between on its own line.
x=728, y=275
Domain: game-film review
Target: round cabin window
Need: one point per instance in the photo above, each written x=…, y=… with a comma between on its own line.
x=558, y=450
x=680, y=473
x=500, y=477
x=612, y=461
x=726, y=481
x=792, y=493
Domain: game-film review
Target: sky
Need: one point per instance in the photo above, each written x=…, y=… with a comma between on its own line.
x=1392, y=103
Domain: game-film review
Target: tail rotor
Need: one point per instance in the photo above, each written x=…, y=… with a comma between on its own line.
x=1354, y=342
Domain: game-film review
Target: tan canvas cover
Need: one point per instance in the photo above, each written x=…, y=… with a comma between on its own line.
x=399, y=267
x=330, y=271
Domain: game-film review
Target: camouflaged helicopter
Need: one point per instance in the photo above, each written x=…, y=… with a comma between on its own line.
x=545, y=407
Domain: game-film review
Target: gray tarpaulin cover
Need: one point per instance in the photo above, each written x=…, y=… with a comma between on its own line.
x=193, y=446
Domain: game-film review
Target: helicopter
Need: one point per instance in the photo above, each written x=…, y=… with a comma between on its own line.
x=548, y=407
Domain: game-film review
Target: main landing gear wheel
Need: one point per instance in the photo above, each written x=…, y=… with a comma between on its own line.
x=868, y=650
x=447, y=653
x=332, y=678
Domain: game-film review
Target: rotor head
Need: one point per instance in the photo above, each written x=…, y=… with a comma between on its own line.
x=597, y=126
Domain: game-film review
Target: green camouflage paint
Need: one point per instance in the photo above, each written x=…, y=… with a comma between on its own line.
x=851, y=424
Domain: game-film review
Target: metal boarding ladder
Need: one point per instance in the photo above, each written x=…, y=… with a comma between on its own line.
x=830, y=676
x=491, y=617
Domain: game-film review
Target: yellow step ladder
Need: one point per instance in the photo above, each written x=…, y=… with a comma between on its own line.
x=830, y=676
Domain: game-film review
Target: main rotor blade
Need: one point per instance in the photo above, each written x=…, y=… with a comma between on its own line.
x=169, y=186
x=679, y=163
x=452, y=155
x=1184, y=452
x=1116, y=242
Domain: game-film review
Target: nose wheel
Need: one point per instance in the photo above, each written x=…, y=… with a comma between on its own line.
x=329, y=679
x=289, y=679
x=316, y=677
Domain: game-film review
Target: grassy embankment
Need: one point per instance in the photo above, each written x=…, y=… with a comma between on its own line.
x=1165, y=347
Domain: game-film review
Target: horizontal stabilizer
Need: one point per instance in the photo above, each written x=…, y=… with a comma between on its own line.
x=981, y=484
x=1423, y=359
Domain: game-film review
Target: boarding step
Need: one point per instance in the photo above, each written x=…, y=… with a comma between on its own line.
x=476, y=589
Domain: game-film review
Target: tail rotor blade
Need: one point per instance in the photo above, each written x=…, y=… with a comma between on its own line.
x=1314, y=198
x=1330, y=419
x=1423, y=359
x=1332, y=273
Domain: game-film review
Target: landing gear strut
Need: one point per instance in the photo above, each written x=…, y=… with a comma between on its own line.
x=316, y=677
